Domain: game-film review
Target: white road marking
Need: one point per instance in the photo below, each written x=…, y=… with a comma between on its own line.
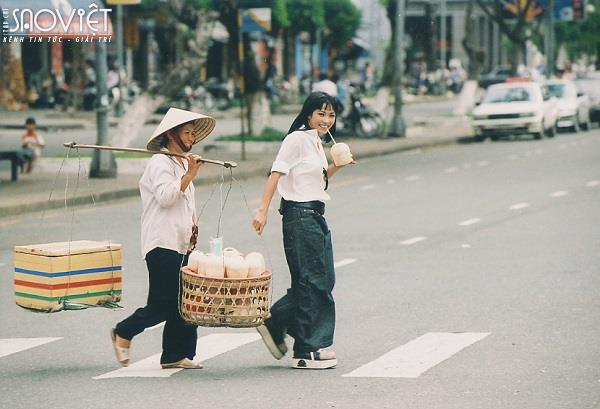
x=344, y=262
x=592, y=183
x=162, y=324
x=9, y=346
x=560, y=193
x=368, y=187
x=518, y=206
x=469, y=222
x=416, y=357
x=350, y=181
x=413, y=240
x=208, y=347
x=465, y=246
x=390, y=181
x=483, y=163
x=2, y=264
x=450, y=170
x=412, y=178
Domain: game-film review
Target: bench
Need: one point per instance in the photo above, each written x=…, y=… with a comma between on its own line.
x=16, y=159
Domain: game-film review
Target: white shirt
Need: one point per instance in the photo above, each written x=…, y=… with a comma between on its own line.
x=168, y=214
x=301, y=159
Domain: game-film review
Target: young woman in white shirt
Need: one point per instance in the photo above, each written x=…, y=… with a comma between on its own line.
x=300, y=174
x=168, y=235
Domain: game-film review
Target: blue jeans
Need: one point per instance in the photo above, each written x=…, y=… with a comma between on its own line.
x=179, y=338
x=307, y=311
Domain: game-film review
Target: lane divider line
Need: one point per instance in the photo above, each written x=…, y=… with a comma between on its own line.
x=344, y=262
x=592, y=183
x=518, y=206
x=469, y=222
x=412, y=178
x=450, y=170
x=412, y=241
x=368, y=187
x=560, y=193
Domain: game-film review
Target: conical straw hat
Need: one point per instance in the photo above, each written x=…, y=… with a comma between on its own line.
x=203, y=126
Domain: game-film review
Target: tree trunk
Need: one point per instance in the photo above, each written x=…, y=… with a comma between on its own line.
x=13, y=93
x=468, y=43
x=185, y=73
x=259, y=113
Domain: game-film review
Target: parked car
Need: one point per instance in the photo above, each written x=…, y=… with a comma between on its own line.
x=497, y=75
x=515, y=108
x=590, y=85
x=573, y=105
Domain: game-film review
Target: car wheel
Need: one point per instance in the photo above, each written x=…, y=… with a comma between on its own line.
x=586, y=125
x=479, y=138
x=538, y=135
x=550, y=132
x=495, y=137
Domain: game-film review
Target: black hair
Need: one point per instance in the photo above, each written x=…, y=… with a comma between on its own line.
x=30, y=121
x=315, y=101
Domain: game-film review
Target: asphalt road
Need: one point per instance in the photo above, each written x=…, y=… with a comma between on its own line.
x=467, y=278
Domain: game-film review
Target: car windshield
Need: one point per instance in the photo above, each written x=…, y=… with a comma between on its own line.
x=513, y=94
x=561, y=91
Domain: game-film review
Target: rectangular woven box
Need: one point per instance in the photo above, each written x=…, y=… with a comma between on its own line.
x=82, y=271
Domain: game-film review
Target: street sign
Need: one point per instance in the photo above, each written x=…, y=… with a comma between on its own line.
x=567, y=10
x=258, y=19
x=123, y=2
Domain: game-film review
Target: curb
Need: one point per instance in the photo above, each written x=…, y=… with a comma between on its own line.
x=258, y=171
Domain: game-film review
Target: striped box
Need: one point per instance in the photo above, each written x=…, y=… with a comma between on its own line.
x=81, y=271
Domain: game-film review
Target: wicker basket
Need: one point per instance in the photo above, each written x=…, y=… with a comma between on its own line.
x=224, y=302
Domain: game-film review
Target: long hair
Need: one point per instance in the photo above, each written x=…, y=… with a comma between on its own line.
x=316, y=100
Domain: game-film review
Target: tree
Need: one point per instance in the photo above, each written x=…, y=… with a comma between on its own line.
x=474, y=53
x=517, y=20
x=193, y=21
x=582, y=37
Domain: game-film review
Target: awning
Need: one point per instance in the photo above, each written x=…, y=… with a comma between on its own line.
x=79, y=19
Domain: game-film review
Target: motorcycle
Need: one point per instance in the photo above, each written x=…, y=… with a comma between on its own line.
x=360, y=119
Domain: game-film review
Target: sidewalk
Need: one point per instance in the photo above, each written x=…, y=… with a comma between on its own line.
x=49, y=119
x=45, y=188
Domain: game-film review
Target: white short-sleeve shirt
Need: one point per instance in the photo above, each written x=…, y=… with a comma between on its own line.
x=301, y=160
x=168, y=214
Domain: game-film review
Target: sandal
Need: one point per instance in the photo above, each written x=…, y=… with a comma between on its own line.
x=121, y=353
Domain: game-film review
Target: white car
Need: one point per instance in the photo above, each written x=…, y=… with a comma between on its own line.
x=573, y=106
x=515, y=108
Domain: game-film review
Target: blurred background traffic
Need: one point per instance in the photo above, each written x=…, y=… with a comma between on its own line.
x=256, y=57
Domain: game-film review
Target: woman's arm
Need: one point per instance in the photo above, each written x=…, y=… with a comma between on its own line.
x=260, y=220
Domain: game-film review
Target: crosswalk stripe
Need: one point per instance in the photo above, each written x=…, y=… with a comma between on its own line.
x=208, y=347
x=9, y=346
x=344, y=262
x=469, y=222
x=414, y=358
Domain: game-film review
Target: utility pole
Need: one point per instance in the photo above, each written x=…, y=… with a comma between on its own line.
x=549, y=38
x=120, y=59
x=443, y=13
x=398, y=128
x=103, y=162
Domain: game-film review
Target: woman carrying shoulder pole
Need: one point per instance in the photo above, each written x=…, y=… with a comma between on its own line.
x=300, y=173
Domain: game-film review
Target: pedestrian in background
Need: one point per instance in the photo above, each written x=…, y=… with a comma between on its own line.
x=32, y=143
x=300, y=174
x=169, y=233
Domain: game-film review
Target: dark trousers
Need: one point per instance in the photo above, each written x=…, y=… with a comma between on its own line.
x=179, y=338
x=307, y=311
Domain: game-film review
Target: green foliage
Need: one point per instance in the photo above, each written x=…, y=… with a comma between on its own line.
x=342, y=19
x=581, y=37
x=269, y=135
x=306, y=15
x=280, y=13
